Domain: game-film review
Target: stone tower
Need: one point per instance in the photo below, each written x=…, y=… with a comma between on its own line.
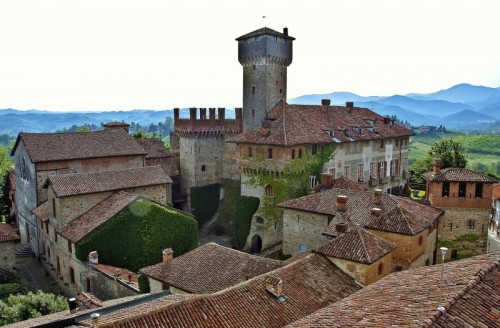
x=265, y=55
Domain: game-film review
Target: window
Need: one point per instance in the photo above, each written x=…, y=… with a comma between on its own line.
x=360, y=172
x=203, y=168
x=313, y=181
x=269, y=191
x=302, y=248
x=462, y=188
x=69, y=246
x=420, y=240
x=331, y=171
x=253, y=89
x=445, y=192
x=55, y=235
x=250, y=152
x=381, y=170
x=253, y=113
x=88, y=284
x=253, y=66
x=372, y=170
x=397, y=143
x=54, y=207
x=281, y=91
x=479, y=190
x=72, y=275
x=259, y=220
x=471, y=224
x=47, y=228
x=270, y=153
x=293, y=153
x=347, y=171
x=381, y=268
x=300, y=153
x=451, y=226
x=314, y=149
x=382, y=144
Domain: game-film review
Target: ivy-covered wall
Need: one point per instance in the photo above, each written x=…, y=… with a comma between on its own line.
x=136, y=236
x=205, y=202
x=244, y=209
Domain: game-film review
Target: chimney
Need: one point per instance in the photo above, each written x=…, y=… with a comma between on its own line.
x=94, y=257
x=326, y=180
x=95, y=319
x=285, y=31
x=349, y=104
x=341, y=227
x=274, y=285
x=341, y=203
x=436, y=166
x=168, y=255
x=117, y=125
x=325, y=102
x=377, y=199
x=375, y=212
x=72, y=305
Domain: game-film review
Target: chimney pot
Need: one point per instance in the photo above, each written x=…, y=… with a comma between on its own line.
x=72, y=305
x=375, y=212
x=285, y=31
x=436, y=166
x=349, y=104
x=168, y=255
x=94, y=257
x=377, y=197
x=274, y=285
x=95, y=319
x=326, y=180
x=325, y=102
x=341, y=203
x=341, y=227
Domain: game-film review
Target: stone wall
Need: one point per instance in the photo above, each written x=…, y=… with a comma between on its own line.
x=302, y=228
x=103, y=286
x=7, y=257
x=155, y=285
x=365, y=274
x=457, y=222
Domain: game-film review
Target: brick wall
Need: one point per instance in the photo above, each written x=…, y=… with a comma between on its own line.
x=435, y=189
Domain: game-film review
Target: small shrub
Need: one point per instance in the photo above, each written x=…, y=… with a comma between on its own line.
x=244, y=209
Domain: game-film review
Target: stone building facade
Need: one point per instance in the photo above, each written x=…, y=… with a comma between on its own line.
x=493, y=244
x=465, y=196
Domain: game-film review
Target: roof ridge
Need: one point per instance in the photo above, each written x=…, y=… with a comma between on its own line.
x=357, y=227
x=443, y=309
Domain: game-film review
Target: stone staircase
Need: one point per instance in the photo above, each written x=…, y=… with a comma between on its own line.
x=207, y=226
x=24, y=250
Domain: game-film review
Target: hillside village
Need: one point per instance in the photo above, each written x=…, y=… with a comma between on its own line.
x=315, y=199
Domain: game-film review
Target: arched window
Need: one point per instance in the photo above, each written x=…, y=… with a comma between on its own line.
x=269, y=191
x=259, y=220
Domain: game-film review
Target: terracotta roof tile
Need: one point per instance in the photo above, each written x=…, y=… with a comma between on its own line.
x=45, y=147
x=341, y=183
x=264, y=31
x=409, y=298
x=154, y=148
x=86, y=183
x=357, y=245
x=359, y=205
x=210, y=268
x=310, y=124
x=80, y=227
x=42, y=211
x=7, y=233
x=458, y=175
x=398, y=220
x=308, y=284
x=122, y=274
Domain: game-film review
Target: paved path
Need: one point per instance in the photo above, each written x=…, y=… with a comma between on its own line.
x=31, y=273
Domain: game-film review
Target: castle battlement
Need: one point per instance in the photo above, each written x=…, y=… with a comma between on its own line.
x=200, y=124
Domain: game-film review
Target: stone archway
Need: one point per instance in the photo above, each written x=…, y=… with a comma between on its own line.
x=256, y=244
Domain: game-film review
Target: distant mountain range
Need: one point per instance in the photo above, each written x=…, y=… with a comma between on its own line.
x=463, y=107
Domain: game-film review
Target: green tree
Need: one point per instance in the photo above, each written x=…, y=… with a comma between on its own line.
x=22, y=307
x=6, y=165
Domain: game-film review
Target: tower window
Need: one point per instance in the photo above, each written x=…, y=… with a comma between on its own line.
x=462, y=189
x=253, y=113
x=253, y=66
x=249, y=151
x=281, y=91
x=293, y=153
x=270, y=153
x=203, y=168
x=479, y=190
x=253, y=90
x=446, y=189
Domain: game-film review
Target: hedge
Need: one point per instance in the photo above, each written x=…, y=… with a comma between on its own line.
x=205, y=202
x=136, y=236
x=244, y=209
x=143, y=282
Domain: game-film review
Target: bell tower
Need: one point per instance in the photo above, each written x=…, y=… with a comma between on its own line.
x=265, y=55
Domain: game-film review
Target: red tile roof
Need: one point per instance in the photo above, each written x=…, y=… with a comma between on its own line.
x=7, y=233
x=309, y=124
x=94, y=182
x=357, y=245
x=45, y=147
x=154, y=148
x=341, y=183
x=409, y=298
x=359, y=205
x=42, y=211
x=210, y=268
x=308, y=284
x=126, y=276
x=458, y=175
x=80, y=227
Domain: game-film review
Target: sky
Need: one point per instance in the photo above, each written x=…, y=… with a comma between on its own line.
x=66, y=55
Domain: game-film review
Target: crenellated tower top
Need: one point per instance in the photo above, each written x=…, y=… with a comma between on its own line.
x=211, y=125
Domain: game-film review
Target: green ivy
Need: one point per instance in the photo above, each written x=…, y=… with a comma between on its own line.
x=295, y=180
x=143, y=284
x=205, y=202
x=244, y=209
x=136, y=236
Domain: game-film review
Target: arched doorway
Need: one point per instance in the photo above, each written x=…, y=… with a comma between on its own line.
x=256, y=244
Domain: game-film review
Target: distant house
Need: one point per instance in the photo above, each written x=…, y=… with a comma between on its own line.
x=206, y=269
x=493, y=244
x=465, y=195
x=367, y=234
x=9, y=241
